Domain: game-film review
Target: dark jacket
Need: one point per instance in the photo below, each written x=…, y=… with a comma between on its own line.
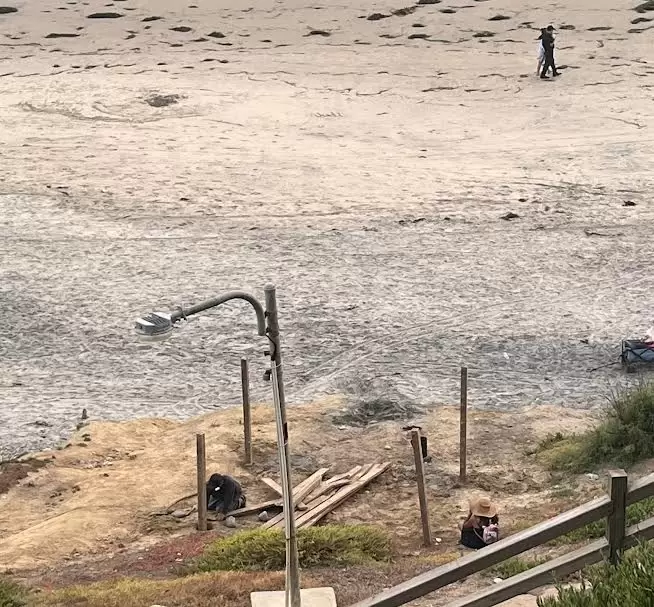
x=548, y=43
x=224, y=494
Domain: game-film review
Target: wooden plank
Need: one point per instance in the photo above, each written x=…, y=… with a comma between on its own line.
x=299, y=493
x=311, y=517
x=463, y=427
x=247, y=413
x=639, y=532
x=640, y=489
x=416, y=443
x=278, y=521
x=201, y=465
x=274, y=485
x=615, y=525
x=548, y=573
x=491, y=555
x=277, y=488
x=346, y=475
x=328, y=487
x=308, y=485
x=364, y=470
x=256, y=508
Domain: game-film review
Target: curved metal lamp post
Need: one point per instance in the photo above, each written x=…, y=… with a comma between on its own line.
x=159, y=325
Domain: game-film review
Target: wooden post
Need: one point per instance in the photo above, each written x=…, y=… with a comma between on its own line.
x=616, y=521
x=247, y=418
x=202, y=482
x=463, y=427
x=422, y=496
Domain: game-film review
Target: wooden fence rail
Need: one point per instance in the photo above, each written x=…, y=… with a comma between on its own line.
x=612, y=507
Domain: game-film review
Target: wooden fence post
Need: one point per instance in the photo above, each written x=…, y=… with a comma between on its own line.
x=247, y=418
x=616, y=521
x=463, y=427
x=416, y=443
x=202, y=482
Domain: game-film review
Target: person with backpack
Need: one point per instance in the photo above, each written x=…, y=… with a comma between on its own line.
x=481, y=527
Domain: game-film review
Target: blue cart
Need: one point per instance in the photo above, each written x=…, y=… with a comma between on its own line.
x=635, y=352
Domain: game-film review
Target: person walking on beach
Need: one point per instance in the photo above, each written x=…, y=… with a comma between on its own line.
x=548, y=48
x=541, y=51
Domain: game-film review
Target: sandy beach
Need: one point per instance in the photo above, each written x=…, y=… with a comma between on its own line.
x=327, y=149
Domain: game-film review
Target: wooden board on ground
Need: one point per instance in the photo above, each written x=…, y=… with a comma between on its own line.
x=311, y=517
x=277, y=488
x=300, y=492
x=332, y=497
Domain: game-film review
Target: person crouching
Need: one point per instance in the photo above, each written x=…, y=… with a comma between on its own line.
x=481, y=527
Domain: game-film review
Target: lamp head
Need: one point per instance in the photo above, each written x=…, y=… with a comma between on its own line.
x=155, y=326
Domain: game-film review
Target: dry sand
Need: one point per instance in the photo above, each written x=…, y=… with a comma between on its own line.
x=311, y=161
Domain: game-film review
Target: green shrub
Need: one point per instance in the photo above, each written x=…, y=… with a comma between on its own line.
x=11, y=594
x=630, y=585
x=516, y=565
x=624, y=436
x=326, y=546
x=635, y=514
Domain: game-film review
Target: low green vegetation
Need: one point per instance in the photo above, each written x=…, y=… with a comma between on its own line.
x=635, y=514
x=624, y=436
x=325, y=546
x=516, y=565
x=630, y=584
x=11, y=594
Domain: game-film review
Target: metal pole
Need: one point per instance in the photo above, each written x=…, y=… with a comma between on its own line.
x=463, y=428
x=202, y=482
x=292, y=559
x=293, y=598
x=247, y=417
x=272, y=330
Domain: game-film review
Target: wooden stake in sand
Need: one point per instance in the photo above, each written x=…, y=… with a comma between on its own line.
x=463, y=427
x=422, y=495
x=247, y=418
x=202, y=482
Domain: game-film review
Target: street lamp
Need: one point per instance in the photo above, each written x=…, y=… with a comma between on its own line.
x=159, y=325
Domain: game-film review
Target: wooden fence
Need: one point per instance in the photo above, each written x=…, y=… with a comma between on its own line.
x=618, y=538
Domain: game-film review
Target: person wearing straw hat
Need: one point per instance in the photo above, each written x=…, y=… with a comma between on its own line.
x=480, y=528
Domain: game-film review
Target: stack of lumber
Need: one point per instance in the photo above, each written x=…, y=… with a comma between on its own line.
x=315, y=498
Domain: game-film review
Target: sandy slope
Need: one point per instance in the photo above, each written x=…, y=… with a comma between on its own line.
x=293, y=157
x=99, y=494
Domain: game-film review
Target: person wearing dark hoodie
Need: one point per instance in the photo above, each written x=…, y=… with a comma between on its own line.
x=224, y=494
x=548, y=47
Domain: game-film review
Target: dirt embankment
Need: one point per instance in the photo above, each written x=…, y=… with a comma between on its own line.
x=98, y=497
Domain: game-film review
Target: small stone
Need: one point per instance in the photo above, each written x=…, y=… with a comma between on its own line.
x=216, y=35
x=387, y=447
x=263, y=516
x=592, y=477
x=180, y=513
x=509, y=216
x=628, y=203
x=438, y=540
x=497, y=580
x=230, y=522
x=377, y=17
x=5, y=10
